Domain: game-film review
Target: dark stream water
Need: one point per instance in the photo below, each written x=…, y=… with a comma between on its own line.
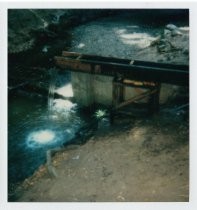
x=36, y=125
x=38, y=121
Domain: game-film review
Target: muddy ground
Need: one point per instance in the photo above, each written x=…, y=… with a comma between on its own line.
x=136, y=159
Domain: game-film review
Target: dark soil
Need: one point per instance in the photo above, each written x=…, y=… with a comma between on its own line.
x=135, y=160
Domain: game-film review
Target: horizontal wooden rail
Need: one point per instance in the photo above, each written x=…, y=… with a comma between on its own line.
x=134, y=70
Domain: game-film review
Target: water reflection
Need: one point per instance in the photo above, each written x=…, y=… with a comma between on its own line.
x=35, y=127
x=40, y=137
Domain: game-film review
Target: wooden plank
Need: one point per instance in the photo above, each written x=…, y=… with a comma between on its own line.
x=133, y=72
x=135, y=98
x=126, y=61
x=95, y=57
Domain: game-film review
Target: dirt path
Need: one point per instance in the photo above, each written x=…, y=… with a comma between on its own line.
x=143, y=160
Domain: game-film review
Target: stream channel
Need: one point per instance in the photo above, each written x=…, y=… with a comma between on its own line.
x=38, y=120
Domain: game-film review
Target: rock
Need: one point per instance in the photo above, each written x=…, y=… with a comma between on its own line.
x=164, y=46
x=76, y=157
x=167, y=32
x=176, y=32
x=186, y=51
x=169, y=57
x=184, y=29
x=156, y=41
x=171, y=27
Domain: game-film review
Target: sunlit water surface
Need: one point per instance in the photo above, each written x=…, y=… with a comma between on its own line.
x=36, y=125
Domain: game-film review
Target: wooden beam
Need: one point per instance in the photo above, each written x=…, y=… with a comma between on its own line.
x=135, y=98
x=170, y=74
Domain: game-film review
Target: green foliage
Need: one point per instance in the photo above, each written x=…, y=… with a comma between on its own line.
x=99, y=114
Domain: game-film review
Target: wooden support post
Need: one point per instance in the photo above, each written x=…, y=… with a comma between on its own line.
x=118, y=91
x=136, y=98
x=114, y=94
x=118, y=95
x=121, y=93
x=153, y=91
x=154, y=99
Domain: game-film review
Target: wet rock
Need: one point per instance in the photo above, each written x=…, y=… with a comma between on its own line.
x=167, y=32
x=156, y=41
x=164, y=46
x=172, y=30
x=186, y=51
x=184, y=29
x=171, y=27
x=176, y=32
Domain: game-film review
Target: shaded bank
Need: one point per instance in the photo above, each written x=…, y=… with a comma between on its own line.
x=26, y=27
